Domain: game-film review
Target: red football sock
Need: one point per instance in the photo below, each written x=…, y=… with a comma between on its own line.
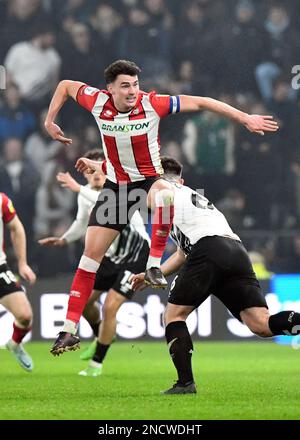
x=19, y=333
x=162, y=221
x=81, y=289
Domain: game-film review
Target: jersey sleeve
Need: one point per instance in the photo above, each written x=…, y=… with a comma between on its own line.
x=137, y=222
x=87, y=96
x=164, y=104
x=80, y=224
x=89, y=194
x=8, y=210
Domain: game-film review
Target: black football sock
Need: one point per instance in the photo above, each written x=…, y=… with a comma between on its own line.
x=285, y=323
x=95, y=328
x=100, y=352
x=181, y=349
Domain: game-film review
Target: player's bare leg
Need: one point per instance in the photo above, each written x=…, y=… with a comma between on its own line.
x=161, y=201
x=107, y=330
x=92, y=315
x=97, y=241
x=260, y=322
x=91, y=311
x=18, y=304
x=256, y=319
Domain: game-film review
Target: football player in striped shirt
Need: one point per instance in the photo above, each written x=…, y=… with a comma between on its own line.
x=12, y=295
x=127, y=255
x=128, y=121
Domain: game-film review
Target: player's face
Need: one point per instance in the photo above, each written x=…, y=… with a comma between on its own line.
x=125, y=90
x=96, y=180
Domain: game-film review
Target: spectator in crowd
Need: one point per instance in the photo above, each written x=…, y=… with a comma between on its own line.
x=34, y=65
x=21, y=18
x=106, y=23
x=209, y=143
x=288, y=112
x=19, y=180
x=80, y=46
x=284, y=48
x=38, y=147
x=257, y=166
x=69, y=12
x=149, y=20
x=247, y=40
x=54, y=203
x=200, y=43
x=16, y=120
x=291, y=261
x=233, y=206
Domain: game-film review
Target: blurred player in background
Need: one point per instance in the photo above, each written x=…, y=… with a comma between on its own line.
x=210, y=259
x=12, y=296
x=128, y=120
x=127, y=254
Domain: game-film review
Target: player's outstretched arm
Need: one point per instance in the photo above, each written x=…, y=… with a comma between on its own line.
x=67, y=181
x=64, y=90
x=18, y=238
x=254, y=123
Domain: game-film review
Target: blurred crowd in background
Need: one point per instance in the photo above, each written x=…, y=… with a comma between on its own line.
x=239, y=51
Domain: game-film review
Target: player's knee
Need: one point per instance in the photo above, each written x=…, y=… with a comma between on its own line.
x=256, y=319
x=164, y=197
x=89, y=262
x=93, y=254
x=25, y=319
x=170, y=316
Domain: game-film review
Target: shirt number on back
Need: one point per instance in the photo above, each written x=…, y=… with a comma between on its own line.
x=201, y=202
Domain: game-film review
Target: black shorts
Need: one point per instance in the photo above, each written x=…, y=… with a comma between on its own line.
x=117, y=203
x=219, y=266
x=116, y=276
x=8, y=282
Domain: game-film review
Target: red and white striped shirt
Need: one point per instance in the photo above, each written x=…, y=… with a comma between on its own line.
x=130, y=140
x=7, y=214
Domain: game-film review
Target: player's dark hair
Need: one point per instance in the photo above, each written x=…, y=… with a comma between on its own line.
x=120, y=67
x=93, y=154
x=171, y=166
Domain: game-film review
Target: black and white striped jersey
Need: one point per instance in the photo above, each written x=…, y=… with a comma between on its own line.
x=181, y=240
x=126, y=247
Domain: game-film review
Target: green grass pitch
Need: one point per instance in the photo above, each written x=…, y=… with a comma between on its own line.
x=235, y=381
